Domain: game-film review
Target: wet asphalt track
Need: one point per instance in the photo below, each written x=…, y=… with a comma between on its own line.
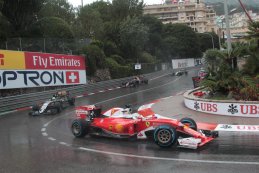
x=26, y=145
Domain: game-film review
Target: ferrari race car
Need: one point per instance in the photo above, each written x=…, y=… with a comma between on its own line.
x=136, y=81
x=121, y=123
x=59, y=101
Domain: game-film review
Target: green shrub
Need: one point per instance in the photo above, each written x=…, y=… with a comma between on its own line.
x=147, y=58
x=118, y=59
x=95, y=58
x=117, y=70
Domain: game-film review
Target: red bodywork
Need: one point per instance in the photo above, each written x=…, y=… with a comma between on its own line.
x=129, y=127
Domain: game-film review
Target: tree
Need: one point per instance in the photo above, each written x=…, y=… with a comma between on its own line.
x=213, y=59
x=206, y=40
x=254, y=31
x=225, y=79
x=52, y=27
x=58, y=8
x=251, y=66
x=110, y=48
x=133, y=36
x=121, y=9
x=154, y=42
x=104, y=8
x=183, y=40
x=21, y=14
x=5, y=27
x=91, y=23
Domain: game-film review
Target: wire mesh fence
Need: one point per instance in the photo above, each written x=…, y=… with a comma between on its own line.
x=48, y=45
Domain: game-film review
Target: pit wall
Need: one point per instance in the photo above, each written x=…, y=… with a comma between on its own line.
x=221, y=107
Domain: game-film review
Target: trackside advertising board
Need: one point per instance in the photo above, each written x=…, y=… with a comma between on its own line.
x=34, y=69
x=182, y=63
x=230, y=109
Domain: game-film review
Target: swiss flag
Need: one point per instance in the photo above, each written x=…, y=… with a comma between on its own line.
x=72, y=77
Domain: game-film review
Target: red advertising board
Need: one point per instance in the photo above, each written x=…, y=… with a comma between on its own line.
x=40, y=61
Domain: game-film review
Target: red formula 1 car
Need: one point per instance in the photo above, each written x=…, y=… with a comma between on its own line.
x=120, y=123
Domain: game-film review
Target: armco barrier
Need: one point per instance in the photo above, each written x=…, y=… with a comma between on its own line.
x=25, y=100
x=221, y=107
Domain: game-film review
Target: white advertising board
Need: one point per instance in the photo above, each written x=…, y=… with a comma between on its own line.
x=37, y=78
x=230, y=109
x=183, y=63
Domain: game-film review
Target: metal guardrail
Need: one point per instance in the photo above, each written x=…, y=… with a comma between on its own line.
x=25, y=100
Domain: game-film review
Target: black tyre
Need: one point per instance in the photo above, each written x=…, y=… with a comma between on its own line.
x=71, y=101
x=80, y=128
x=132, y=85
x=189, y=122
x=123, y=84
x=62, y=106
x=165, y=136
x=54, y=111
x=35, y=107
x=58, y=107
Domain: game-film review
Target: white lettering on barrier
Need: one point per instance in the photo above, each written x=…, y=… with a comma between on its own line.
x=50, y=61
x=237, y=128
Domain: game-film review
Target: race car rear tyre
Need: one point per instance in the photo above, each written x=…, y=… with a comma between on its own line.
x=80, y=128
x=189, y=122
x=165, y=136
x=54, y=111
x=71, y=101
x=62, y=106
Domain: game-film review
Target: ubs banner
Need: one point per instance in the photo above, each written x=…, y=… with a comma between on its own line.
x=230, y=109
x=33, y=69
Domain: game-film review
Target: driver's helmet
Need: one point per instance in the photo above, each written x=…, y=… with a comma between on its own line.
x=53, y=97
x=126, y=113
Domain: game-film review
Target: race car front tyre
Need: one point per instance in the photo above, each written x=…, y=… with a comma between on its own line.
x=165, y=136
x=189, y=122
x=79, y=128
x=35, y=107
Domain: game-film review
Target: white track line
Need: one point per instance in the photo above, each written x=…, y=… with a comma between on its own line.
x=52, y=139
x=44, y=134
x=169, y=159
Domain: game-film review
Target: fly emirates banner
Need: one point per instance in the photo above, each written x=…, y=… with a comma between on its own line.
x=34, y=69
